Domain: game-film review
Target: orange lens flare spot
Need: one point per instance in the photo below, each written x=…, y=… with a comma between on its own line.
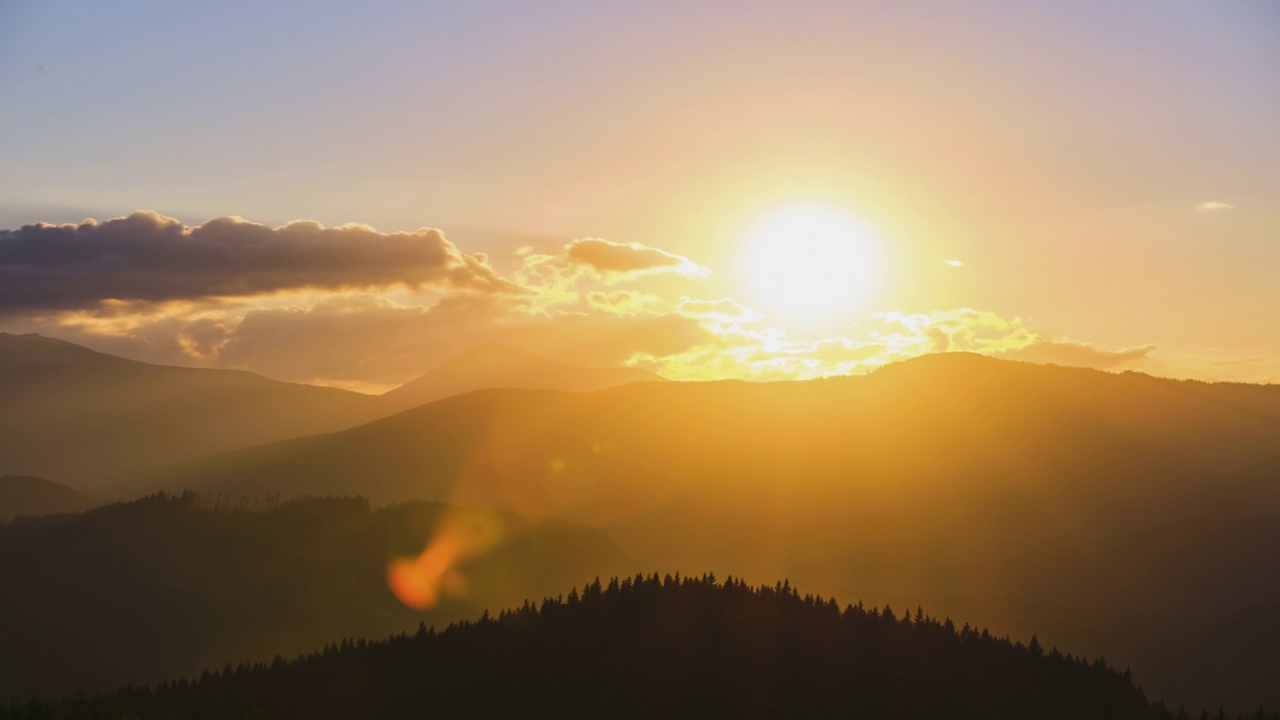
x=454, y=584
x=419, y=582
x=436, y=560
x=412, y=586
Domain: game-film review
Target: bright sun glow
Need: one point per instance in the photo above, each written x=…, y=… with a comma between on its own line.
x=810, y=263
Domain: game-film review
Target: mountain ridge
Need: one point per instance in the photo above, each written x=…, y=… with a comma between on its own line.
x=24, y=495
x=492, y=365
x=124, y=417
x=75, y=415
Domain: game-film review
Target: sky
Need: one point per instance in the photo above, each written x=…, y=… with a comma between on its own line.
x=349, y=194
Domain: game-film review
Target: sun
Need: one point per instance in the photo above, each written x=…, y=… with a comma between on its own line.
x=810, y=263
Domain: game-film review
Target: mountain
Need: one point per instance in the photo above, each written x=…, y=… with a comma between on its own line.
x=88, y=418
x=1094, y=508
x=21, y=495
x=499, y=366
x=167, y=585
x=31, y=350
x=669, y=648
x=83, y=417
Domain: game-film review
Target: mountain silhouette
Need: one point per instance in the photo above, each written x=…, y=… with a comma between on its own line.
x=32, y=350
x=122, y=417
x=83, y=417
x=22, y=495
x=500, y=366
x=169, y=585
x=1033, y=498
x=667, y=647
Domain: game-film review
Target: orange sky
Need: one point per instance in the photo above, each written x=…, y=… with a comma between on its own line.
x=1071, y=182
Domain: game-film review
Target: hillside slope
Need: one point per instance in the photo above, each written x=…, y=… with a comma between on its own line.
x=82, y=417
x=22, y=495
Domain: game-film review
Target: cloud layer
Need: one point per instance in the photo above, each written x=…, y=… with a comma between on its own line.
x=307, y=303
x=1078, y=354
x=605, y=256
x=1213, y=205
x=151, y=258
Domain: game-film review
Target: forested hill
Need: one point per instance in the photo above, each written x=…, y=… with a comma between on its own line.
x=671, y=648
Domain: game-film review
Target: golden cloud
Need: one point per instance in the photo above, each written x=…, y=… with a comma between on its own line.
x=1213, y=205
x=292, y=316
x=762, y=353
x=1078, y=354
x=629, y=259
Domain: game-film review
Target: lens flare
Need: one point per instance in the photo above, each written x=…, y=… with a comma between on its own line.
x=420, y=582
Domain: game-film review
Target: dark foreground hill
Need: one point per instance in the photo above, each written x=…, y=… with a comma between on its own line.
x=83, y=417
x=499, y=366
x=22, y=495
x=163, y=586
x=668, y=648
x=1115, y=513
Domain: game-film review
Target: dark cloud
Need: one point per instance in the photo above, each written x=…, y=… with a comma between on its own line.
x=147, y=257
x=1077, y=354
x=625, y=258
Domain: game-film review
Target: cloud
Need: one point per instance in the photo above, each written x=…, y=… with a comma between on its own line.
x=365, y=342
x=329, y=305
x=149, y=258
x=611, y=258
x=961, y=330
x=724, y=310
x=1213, y=205
x=1077, y=354
x=624, y=301
x=954, y=263
x=741, y=350
x=310, y=304
x=576, y=278
x=556, y=277
x=601, y=339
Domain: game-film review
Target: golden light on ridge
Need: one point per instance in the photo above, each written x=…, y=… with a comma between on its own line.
x=810, y=263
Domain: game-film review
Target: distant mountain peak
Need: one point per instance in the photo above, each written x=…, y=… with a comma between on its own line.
x=74, y=414
x=36, y=338
x=32, y=336
x=34, y=349
x=951, y=356
x=25, y=495
x=948, y=363
x=497, y=354
x=493, y=365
